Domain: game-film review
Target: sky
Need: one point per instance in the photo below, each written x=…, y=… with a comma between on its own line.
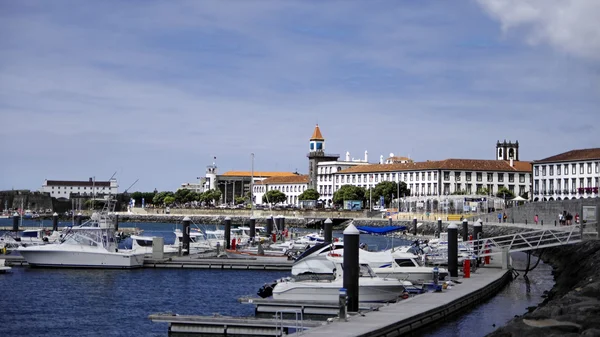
x=152, y=91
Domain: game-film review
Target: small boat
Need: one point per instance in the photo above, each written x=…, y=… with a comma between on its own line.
x=143, y=244
x=258, y=253
x=371, y=288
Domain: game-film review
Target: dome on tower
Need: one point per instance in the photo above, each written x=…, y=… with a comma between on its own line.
x=317, y=134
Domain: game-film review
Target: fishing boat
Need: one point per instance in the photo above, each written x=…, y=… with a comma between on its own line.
x=371, y=288
x=91, y=245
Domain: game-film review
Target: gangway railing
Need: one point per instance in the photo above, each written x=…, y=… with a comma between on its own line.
x=280, y=325
x=535, y=239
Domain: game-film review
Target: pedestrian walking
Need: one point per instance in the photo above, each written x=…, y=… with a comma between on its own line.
x=499, y=217
x=504, y=217
x=576, y=217
x=560, y=219
x=535, y=219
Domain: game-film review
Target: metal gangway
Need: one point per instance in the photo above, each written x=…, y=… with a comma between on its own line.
x=534, y=239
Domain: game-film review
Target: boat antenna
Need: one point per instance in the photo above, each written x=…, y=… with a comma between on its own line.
x=130, y=186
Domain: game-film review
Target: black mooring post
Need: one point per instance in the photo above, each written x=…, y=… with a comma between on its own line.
x=465, y=230
x=186, y=236
x=228, y=233
x=477, y=233
x=55, y=222
x=328, y=230
x=269, y=225
x=351, y=266
x=116, y=222
x=439, y=231
x=252, y=229
x=282, y=223
x=15, y=222
x=79, y=219
x=453, y=250
x=415, y=226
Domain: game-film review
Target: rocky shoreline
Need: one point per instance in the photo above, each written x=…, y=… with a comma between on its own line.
x=572, y=306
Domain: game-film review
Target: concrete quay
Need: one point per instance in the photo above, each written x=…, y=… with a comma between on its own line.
x=422, y=310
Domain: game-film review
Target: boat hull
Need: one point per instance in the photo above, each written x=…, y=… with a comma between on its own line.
x=81, y=259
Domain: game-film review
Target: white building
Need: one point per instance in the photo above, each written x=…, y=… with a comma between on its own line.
x=291, y=186
x=569, y=175
x=436, y=178
x=68, y=188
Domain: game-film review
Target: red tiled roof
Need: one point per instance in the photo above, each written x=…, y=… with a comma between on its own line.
x=296, y=179
x=257, y=174
x=573, y=155
x=448, y=164
x=76, y=183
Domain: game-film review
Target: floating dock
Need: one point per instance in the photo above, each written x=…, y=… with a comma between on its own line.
x=270, y=306
x=192, y=262
x=233, y=326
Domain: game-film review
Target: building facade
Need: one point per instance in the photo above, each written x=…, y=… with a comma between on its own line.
x=445, y=177
x=291, y=186
x=67, y=189
x=570, y=175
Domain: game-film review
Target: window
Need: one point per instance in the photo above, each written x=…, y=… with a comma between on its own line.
x=581, y=168
x=543, y=170
x=468, y=176
x=589, y=182
x=521, y=178
x=581, y=182
x=446, y=175
x=596, y=167
x=511, y=177
x=536, y=171
x=479, y=176
x=417, y=176
x=566, y=169
x=337, y=179
x=573, y=169
x=394, y=176
x=411, y=177
x=435, y=173
x=342, y=179
x=551, y=168
x=490, y=177
x=500, y=177
x=428, y=175
x=404, y=177
x=558, y=170
x=359, y=178
x=536, y=186
x=376, y=177
x=589, y=165
x=422, y=175
x=457, y=176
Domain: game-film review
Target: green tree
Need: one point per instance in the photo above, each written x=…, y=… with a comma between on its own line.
x=159, y=198
x=210, y=196
x=348, y=192
x=387, y=189
x=483, y=191
x=274, y=197
x=309, y=194
x=505, y=193
x=459, y=192
x=240, y=200
x=169, y=200
x=525, y=195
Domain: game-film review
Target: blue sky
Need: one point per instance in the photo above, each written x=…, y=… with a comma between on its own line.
x=155, y=89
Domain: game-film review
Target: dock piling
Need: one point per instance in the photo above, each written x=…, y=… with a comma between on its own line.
x=465, y=230
x=116, y=222
x=55, y=222
x=477, y=233
x=415, y=226
x=269, y=225
x=453, y=250
x=186, y=235
x=328, y=230
x=79, y=219
x=252, y=229
x=351, y=266
x=16, y=222
x=228, y=232
x=439, y=229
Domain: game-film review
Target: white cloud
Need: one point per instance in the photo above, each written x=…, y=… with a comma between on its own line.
x=572, y=26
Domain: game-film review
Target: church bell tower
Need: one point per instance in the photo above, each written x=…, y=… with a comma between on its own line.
x=316, y=155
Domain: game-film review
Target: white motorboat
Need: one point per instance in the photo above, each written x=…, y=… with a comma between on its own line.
x=143, y=244
x=314, y=260
x=198, y=243
x=257, y=254
x=91, y=245
x=371, y=288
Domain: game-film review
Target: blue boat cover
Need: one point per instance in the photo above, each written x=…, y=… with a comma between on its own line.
x=380, y=230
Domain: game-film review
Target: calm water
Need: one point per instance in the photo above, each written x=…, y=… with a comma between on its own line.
x=72, y=302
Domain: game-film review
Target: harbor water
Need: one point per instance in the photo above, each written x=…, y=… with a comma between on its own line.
x=85, y=302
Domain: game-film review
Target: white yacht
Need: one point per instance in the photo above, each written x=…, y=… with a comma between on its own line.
x=91, y=245
x=371, y=288
x=314, y=260
x=198, y=242
x=143, y=244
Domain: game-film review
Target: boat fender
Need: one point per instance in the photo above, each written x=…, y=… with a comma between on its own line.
x=335, y=255
x=405, y=295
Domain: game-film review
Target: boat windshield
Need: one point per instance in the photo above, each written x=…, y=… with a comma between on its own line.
x=29, y=234
x=144, y=242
